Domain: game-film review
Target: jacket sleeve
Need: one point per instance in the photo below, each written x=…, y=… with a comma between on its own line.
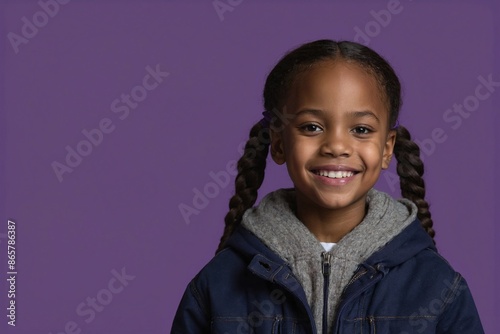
x=192, y=316
x=460, y=315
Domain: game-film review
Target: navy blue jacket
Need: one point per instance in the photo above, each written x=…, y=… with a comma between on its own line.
x=405, y=287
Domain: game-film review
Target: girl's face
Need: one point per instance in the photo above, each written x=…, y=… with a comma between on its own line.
x=336, y=140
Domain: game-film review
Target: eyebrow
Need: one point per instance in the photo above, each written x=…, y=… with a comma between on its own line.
x=364, y=113
x=315, y=112
x=352, y=114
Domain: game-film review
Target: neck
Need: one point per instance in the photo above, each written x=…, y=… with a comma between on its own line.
x=330, y=225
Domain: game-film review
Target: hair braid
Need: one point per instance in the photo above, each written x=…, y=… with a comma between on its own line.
x=277, y=87
x=250, y=176
x=410, y=169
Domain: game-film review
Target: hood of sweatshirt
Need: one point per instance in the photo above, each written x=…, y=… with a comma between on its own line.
x=387, y=227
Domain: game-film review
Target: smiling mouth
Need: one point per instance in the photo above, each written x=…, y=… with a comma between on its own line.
x=334, y=174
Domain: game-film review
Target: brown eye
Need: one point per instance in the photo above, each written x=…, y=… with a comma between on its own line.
x=310, y=128
x=362, y=130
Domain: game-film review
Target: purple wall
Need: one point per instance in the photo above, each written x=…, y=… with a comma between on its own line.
x=113, y=210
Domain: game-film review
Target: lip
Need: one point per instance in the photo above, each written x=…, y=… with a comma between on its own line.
x=336, y=168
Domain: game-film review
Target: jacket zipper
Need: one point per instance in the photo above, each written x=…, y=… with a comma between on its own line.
x=346, y=299
x=326, y=269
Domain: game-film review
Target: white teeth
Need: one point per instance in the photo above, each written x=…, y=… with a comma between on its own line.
x=335, y=174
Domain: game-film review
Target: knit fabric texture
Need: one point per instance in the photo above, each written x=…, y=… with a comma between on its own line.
x=274, y=222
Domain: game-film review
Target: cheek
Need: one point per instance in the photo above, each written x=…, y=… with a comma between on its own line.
x=299, y=149
x=371, y=154
x=290, y=144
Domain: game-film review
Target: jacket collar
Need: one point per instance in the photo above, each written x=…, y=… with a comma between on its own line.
x=412, y=240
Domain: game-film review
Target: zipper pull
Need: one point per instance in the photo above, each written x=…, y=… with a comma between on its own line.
x=327, y=263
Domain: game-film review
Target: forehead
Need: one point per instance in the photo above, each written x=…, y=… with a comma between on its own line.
x=336, y=86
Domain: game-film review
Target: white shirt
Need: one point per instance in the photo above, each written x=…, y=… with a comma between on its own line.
x=328, y=245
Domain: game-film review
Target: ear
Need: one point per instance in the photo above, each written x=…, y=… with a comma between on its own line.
x=388, y=149
x=277, y=149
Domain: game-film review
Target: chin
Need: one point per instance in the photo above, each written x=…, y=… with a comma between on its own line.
x=333, y=203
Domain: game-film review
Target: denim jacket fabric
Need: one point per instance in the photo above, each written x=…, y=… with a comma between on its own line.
x=405, y=287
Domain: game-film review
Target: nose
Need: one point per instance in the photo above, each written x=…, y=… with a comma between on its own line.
x=336, y=143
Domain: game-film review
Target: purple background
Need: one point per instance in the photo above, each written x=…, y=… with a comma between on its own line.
x=120, y=207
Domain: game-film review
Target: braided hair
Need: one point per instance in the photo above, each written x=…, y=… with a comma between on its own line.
x=251, y=166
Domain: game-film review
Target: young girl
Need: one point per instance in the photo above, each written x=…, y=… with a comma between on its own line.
x=332, y=254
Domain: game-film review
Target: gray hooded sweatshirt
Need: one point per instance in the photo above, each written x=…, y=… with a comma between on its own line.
x=274, y=222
